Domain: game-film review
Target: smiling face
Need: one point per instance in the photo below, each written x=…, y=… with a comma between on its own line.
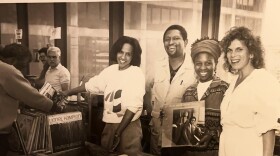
x=124, y=57
x=174, y=43
x=238, y=55
x=204, y=66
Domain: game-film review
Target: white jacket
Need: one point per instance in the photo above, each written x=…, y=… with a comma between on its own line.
x=166, y=93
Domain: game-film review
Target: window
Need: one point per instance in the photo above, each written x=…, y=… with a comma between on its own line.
x=152, y=19
x=259, y=16
x=251, y=5
x=237, y=15
x=8, y=23
x=40, y=24
x=270, y=33
x=88, y=40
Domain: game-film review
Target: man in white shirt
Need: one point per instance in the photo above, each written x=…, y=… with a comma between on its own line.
x=57, y=75
x=172, y=76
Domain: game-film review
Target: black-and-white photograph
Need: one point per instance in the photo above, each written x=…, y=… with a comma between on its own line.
x=138, y=72
x=183, y=124
x=186, y=130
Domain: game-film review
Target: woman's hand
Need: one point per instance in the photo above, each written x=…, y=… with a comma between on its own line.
x=116, y=142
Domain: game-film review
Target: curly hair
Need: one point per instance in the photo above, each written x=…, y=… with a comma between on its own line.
x=253, y=43
x=136, y=53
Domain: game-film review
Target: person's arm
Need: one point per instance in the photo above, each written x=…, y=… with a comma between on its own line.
x=147, y=104
x=39, y=83
x=127, y=118
x=268, y=143
x=64, y=79
x=74, y=91
x=64, y=86
x=20, y=89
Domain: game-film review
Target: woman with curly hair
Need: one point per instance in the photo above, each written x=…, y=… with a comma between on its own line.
x=123, y=87
x=250, y=108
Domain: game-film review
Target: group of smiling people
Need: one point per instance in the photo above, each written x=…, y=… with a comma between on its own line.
x=240, y=116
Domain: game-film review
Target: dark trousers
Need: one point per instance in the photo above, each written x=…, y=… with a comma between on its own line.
x=4, y=144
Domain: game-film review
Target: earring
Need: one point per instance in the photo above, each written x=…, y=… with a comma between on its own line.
x=251, y=56
x=251, y=59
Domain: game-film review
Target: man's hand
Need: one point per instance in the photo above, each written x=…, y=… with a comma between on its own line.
x=200, y=147
x=61, y=105
x=203, y=143
x=59, y=102
x=115, y=143
x=162, y=114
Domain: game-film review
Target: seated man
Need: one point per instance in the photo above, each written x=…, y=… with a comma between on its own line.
x=190, y=133
x=57, y=75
